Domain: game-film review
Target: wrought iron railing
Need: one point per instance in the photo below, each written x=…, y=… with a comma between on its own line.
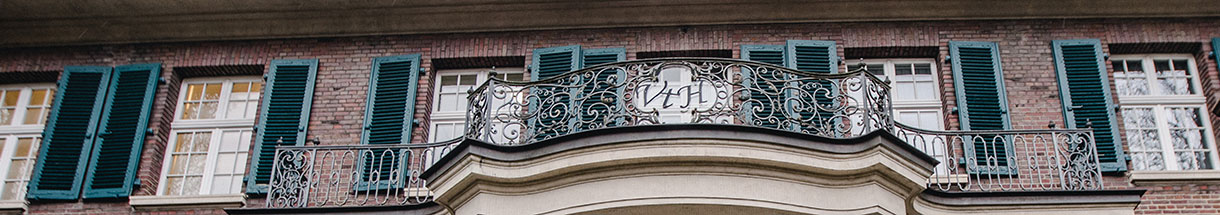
x=679, y=90
x=352, y=175
x=1009, y=160
x=685, y=90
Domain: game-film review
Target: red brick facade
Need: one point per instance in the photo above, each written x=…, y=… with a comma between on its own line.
x=344, y=65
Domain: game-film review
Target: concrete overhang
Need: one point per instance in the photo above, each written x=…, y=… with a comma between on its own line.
x=70, y=22
x=686, y=164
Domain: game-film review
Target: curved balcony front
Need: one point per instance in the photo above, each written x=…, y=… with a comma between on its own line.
x=679, y=90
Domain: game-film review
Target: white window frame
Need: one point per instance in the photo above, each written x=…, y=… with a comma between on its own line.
x=911, y=105
x=439, y=117
x=1159, y=103
x=16, y=129
x=215, y=126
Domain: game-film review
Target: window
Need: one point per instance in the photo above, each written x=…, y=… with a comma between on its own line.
x=211, y=136
x=915, y=95
x=23, y=111
x=914, y=89
x=1163, y=112
x=449, y=106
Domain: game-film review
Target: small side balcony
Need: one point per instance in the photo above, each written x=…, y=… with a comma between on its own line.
x=687, y=91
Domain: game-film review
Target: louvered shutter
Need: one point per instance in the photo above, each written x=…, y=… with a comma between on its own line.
x=120, y=137
x=391, y=99
x=1084, y=87
x=819, y=57
x=552, y=111
x=593, y=111
x=982, y=103
x=68, y=137
x=764, y=87
x=390, y=109
x=283, y=117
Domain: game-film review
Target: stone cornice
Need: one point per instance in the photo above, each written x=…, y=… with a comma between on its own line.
x=55, y=23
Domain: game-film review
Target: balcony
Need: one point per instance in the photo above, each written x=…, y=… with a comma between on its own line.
x=686, y=91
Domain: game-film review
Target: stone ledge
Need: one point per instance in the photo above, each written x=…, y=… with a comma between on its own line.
x=1189, y=176
x=202, y=201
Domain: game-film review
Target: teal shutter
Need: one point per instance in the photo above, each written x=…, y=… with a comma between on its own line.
x=68, y=136
x=1084, y=88
x=593, y=111
x=283, y=117
x=388, y=116
x=764, y=87
x=549, y=63
x=981, y=102
x=819, y=57
x=120, y=137
x=391, y=100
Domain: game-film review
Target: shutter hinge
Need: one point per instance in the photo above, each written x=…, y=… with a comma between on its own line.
x=136, y=184
x=415, y=121
x=948, y=59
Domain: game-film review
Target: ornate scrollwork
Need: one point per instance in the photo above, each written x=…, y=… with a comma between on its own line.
x=679, y=90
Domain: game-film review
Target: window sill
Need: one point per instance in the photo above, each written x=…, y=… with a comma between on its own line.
x=201, y=201
x=12, y=207
x=1139, y=177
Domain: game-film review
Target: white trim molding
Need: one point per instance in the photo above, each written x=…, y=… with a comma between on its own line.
x=199, y=201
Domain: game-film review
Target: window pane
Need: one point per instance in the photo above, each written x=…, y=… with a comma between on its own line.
x=178, y=164
x=35, y=116
x=220, y=184
x=10, y=97
x=1147, y=161
x=902, y=69
x=1173, y=81
x=13, y=191
x=194, y=92
x=25, y=147
x=923, y=69
x=1139, y=118
x=39, y=97
x=224, y=163
x=15, y=170
x=514, y=77
x=1195, y=160
x=239, y=91
x=190, y=110
x=191, y=185
x=212, y=92
x=449, y=80
x=236, y=110
x=1144, y=140
x=207, y=110
x=1129, y=78
x=468, y=80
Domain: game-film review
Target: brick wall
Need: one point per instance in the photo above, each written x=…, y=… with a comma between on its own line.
x=340, y=91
